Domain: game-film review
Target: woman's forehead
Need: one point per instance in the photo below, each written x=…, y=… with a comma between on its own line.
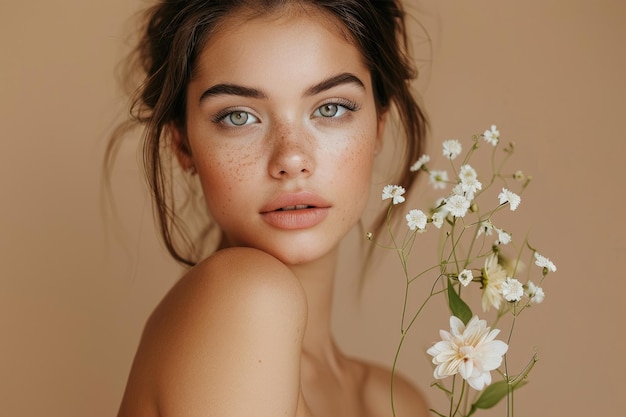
x=279, y=48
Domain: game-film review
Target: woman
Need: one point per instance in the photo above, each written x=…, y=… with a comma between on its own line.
x=278, y=108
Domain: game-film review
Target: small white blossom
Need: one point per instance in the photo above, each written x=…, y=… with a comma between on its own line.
x=465, y=277
x=438, y=179
x=457, y=205
x=437, y=219
x=534, y=292
x=458, y=190
x=492, y=135
x=467, y=188
x=394, y=192
x=422, y=160
x=471, y=351
x=467, y=173
x=416, y=219
x=486, y=227
x=469, y=183
x=452, y=148
x=543, y=262
x=493, y=277
x=512, y=289
x=510, y=197
x=503, y=237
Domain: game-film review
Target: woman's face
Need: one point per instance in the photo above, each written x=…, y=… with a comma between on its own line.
x=282, y=128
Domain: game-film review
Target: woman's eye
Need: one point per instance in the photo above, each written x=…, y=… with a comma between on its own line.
x=331, y=110
x=238, y=118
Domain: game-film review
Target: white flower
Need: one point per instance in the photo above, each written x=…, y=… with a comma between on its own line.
x=543, y=262
x=438, y=179
x=422, y=160
x=534, y=292
x=468, y=184
x=510, y=197
x=512, y=289
x=467, y=173
x=457, y=205
x=465, y=277
x=469, y=350
x=416, y=219
x=486, y=227
x=503, y=237
x=469, y=187
x=394, y=192
x=437, y=219
x=493, y=277
x=452, y=148
x=492, y=135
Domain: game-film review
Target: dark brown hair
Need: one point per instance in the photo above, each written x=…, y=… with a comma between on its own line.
x=173, y=35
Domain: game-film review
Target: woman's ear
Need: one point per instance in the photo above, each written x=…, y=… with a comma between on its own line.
x=382, y=122
x=180, y=147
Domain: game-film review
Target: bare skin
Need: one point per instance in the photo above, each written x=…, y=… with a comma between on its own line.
x=231, y=338
x=247, y=331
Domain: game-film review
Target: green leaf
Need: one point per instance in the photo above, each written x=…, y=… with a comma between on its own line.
x=458, y=307
x=493, y=394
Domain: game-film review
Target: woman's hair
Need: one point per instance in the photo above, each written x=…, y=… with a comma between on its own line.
x=171, y=40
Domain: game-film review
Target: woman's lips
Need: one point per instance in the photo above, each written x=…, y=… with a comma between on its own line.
x=295, y=211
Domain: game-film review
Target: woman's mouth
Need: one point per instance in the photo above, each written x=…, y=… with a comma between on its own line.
x=295, y=211
x=297, y=207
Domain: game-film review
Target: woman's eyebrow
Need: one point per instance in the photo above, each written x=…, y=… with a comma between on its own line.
x=239, y=90
x=334, y=81
x=232, y=90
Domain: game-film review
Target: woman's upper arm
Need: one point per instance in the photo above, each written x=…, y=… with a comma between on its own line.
x=226, y=341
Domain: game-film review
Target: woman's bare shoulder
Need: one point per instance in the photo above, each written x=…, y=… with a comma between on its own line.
x=237, y=275
x=408, y=400
x=224, y=340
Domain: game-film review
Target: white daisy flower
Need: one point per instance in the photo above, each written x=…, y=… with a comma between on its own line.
x=543, y=262
x=486, y=227
x=452, y=148
x=492, y=135
x=394, y=192
x=503, y=237
x=465, y=277
x=471, y=351
x=510, y=197
x=437, y=218
x=512, y=289
x=493, y=277
x=416, y=219
x=467, y=173
x=438, y=179
x=468, y=188
x=422, y=160
x=457, y=205
x=534, y=292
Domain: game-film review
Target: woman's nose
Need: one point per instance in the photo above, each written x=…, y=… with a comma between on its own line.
x=292, y=153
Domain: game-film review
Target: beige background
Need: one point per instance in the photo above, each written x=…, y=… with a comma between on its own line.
x=74, y=297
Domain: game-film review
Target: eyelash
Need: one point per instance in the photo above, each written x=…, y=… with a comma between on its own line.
x=349, y=105
x=222, y=115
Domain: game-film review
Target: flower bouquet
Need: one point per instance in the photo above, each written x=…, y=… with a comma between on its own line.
x=473, y=253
